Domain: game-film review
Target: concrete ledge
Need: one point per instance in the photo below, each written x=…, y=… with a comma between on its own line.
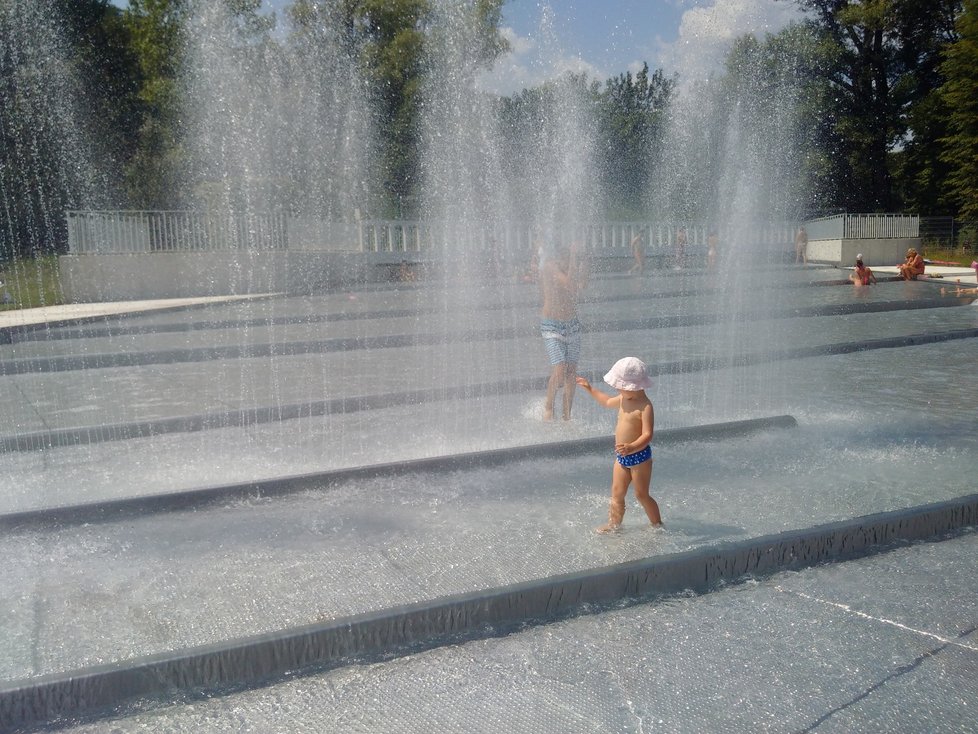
x=125, y=276
x=884, y=251
x=70, y=363
x=196, y=498
x=81, y=435
x=411, y=628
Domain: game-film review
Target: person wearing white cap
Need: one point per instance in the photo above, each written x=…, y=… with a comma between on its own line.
x=861, y=275
x=633, y=436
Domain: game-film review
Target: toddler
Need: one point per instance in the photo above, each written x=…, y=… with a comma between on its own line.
x=633, y=436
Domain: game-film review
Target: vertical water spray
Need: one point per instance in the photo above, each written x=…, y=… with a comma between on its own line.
x=728, y=167
x=502, y=184
x=280, y=136
x=560, y=171
x=462, y=188
x=463, y=185
x=47, y=161
x=278, y=125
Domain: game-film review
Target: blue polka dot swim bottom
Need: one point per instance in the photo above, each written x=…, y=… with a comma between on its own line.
x=635, y=459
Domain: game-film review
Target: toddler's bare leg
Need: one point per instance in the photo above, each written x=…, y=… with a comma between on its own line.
x=642, y=478
x=620, y=477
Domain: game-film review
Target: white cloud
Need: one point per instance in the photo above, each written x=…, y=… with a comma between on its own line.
x=707, y=32
x=528, y=64
x=518, y=45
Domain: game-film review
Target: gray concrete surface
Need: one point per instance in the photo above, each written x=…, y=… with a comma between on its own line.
x=879, y=430
x=886, y=643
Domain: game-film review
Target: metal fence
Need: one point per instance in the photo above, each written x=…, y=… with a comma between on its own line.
x=395, y=235
x=418, y=236
x=863, y=226
x=950, y=233
x=107, y=232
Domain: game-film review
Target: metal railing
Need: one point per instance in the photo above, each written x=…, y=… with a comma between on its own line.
x=390, y=235
x=949, y=232
x=418, y=236
x=393, y=235
x=123, y=232
x=863, y=226
x=107, y=232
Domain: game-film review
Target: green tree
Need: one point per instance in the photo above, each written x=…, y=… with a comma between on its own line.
x=156, y=172
x=960, y=95
x=391, y=38
x=103, y=59
x=230, y=123
x=925, y=28
x=327, y=139
x=631, y=118
x=774, y=91
x=882, y=67
x=53, y=56
x=866, y=113
x=524, y=121
x=625, y=117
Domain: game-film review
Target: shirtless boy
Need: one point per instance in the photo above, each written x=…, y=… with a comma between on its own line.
x=561, y=280
x=633, y=434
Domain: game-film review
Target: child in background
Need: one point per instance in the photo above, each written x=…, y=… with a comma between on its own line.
x=711, y=251
x=633, y=434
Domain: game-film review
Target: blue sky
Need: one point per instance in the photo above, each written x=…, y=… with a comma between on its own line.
x=608, y=37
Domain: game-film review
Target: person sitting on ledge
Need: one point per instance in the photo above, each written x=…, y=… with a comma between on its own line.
x=861, y=275
x=913, y=267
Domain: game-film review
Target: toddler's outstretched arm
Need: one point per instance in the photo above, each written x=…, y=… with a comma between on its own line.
x=608, y=401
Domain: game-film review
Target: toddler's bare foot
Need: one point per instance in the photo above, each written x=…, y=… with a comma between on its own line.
x=608, y=528
x=548, y=414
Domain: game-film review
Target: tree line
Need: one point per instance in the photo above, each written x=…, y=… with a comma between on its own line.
x=877, y=100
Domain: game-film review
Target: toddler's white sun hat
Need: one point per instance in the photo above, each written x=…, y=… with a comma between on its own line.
x=629, y=373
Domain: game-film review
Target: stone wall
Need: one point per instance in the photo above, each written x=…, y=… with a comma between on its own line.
x=91, y=278
x=842, y=253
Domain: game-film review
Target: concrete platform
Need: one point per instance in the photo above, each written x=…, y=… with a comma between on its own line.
x=879, y=430
x=74, y=312
x=886, y=643
x=939, y=274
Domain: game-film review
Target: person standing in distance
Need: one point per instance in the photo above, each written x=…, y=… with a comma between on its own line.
x=562, y=278
x=801, y=246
